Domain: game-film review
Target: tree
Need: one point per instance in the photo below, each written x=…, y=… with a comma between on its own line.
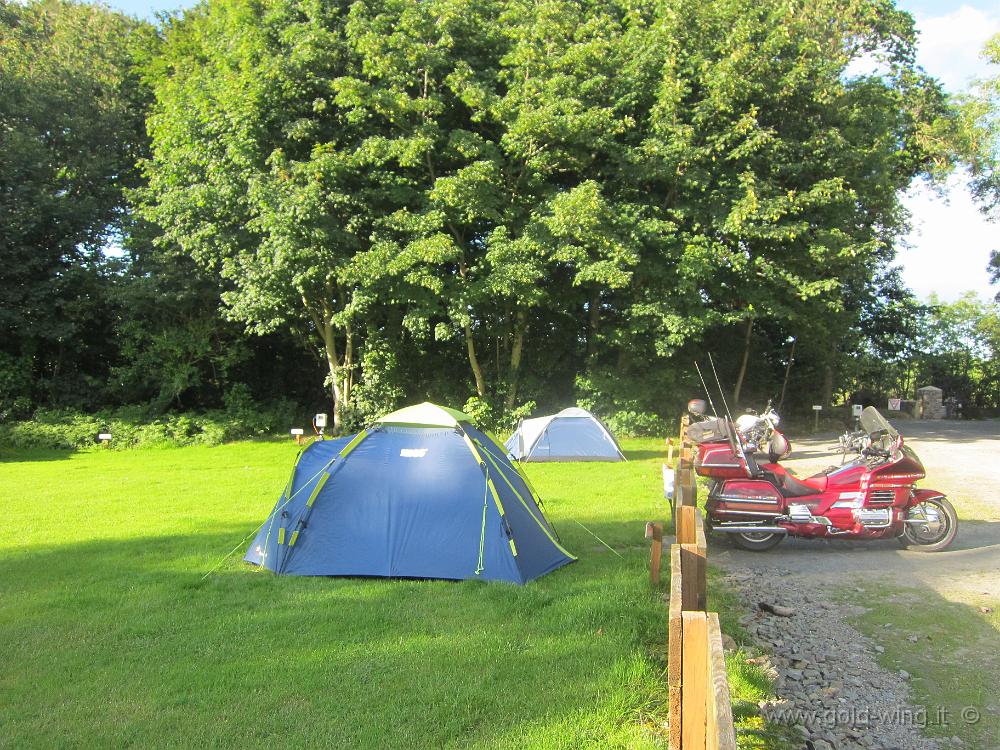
x=778, y=175
x=979, y=143
x=264, y=168
x=71, y=126
x=977, y=140
x=564, y=194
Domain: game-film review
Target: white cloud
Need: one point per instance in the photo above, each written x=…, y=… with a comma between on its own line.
x=949, y=45
x=949, y=246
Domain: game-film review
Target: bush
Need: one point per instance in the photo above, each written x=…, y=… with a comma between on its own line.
x=633, y=423
x=134, y=427
x=626, y=406
x=493, y=418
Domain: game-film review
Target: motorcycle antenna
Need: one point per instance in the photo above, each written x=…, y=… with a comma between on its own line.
x=722, y=393
x=707, y=392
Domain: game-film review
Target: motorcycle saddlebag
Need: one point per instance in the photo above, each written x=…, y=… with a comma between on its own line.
x=713, y=430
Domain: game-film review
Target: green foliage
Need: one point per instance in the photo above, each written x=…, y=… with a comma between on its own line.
x=954, y=346
x=522, y=202
x=134, y=427
x=978, y=134
x=960, y=353
x=495, y=418
x=626, y=411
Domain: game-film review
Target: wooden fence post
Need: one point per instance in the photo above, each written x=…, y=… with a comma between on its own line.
x=700, y=711
x=721, y=732
x=691, y=537
x=654, y=531
x=675, y=631
x=694, y=680
x=686, y=524
x=701, y=550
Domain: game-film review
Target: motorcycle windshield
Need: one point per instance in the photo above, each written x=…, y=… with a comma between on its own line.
x=872, y=421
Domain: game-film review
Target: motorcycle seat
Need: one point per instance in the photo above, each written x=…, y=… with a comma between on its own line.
x=789, y=486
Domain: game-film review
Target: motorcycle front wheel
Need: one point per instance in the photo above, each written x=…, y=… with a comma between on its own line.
x=757, y=541
x=936, y=529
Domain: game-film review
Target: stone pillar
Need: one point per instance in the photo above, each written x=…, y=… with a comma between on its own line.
x=933, y=403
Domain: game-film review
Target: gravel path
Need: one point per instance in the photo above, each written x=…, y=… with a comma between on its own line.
x=828, y=680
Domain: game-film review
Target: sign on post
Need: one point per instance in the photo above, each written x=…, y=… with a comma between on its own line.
x=105, y=438
x=895, y=404
x=856, y=410
x=297, y=433
x=817, y=408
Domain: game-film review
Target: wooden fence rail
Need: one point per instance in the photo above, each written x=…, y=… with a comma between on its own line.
x=700, y=711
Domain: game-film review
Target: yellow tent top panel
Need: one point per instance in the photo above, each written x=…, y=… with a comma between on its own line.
x=426, y=414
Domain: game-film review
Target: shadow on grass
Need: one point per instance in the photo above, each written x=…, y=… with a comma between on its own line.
x=950, y=650
x=975, y=540
x=23, y=455
x=120, y=642
x=645, y=455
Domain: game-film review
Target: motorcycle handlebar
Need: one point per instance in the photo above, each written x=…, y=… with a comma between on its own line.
x=875, y=452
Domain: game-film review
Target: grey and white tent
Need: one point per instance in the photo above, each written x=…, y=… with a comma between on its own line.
x=573, y=434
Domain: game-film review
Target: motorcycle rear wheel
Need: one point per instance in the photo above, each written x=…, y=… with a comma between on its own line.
x=927, y=537
x=757, y=541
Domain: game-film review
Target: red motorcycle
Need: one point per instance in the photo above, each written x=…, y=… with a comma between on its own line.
x=871, y=497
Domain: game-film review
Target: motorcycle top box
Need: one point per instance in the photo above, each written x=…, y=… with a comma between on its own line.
x=718, y=461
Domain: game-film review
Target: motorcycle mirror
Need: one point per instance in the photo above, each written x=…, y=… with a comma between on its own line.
x=697, y=406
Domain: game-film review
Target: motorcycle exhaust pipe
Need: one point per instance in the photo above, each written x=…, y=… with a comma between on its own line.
x=748, y=529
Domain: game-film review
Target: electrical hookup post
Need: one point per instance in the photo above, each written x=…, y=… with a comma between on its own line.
x=319, y=426
x=817, y=408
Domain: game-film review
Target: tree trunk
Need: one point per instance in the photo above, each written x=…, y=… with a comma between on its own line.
x=788, y=371
x=827, y=386
x=330, y=345
x=520, y=327
x=323, y=320
x=593, y=322
x=743, y=364
x=477, y=371
x=348, y=368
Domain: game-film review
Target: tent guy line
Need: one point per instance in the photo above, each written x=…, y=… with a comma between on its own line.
x=269, y=518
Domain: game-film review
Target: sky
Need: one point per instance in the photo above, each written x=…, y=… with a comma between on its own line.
x=947, y=250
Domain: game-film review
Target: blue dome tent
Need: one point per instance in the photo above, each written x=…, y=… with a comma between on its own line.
x=573, y=434
x=421, y=493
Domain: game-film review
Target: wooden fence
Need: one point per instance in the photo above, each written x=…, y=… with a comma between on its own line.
x=700, y=707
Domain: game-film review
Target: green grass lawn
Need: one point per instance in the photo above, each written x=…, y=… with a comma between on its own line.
x=109, y=637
